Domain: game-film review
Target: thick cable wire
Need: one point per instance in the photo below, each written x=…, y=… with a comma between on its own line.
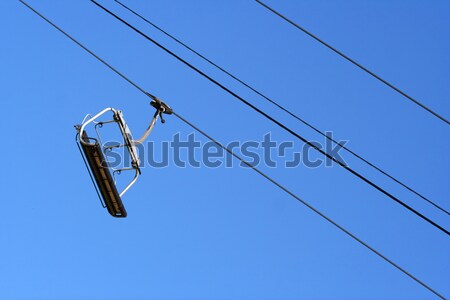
x=355, y=63
x=281, y=107
x=248, y=164
x=267, y=116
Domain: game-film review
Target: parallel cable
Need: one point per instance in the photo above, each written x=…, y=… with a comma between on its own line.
x=267, y=116
x=355, y=63
x=280, y=106
x=354, y=237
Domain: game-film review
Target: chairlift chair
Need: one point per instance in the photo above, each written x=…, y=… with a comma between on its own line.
x=94, y=153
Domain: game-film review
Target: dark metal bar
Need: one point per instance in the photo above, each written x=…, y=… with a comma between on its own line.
x=103, y=178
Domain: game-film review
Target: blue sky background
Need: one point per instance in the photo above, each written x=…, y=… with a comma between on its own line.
x=198, y=233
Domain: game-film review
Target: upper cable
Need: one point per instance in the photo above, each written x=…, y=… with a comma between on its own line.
x=355, y=63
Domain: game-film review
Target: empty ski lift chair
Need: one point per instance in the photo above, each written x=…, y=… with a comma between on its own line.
x=93, y=151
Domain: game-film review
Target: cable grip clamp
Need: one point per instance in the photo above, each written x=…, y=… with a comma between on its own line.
x=161, y=108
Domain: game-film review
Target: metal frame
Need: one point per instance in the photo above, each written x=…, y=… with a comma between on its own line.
x=95, y=155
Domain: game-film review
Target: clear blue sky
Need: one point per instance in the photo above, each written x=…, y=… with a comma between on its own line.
x=198, y=233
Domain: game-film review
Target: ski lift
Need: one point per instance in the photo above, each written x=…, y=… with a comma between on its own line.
x=95, y=156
